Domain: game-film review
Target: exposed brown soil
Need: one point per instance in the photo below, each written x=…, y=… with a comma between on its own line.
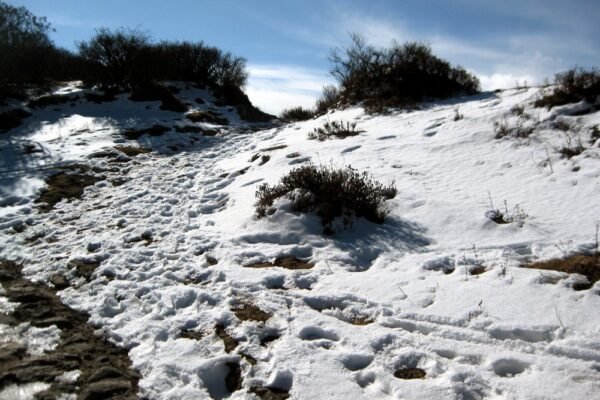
x=477, y=270
x=106, y=370
x=287, y=262
x=249, y=312
x=361, y=321
x=587, y=265
x=132, y=151
x=84, y=269
x=64, y=186
x=410, y=373
x=229, y=342
x=207, y=116
x=191, y=334
x=211, y=260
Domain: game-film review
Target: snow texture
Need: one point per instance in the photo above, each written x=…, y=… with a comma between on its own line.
x=379, y=298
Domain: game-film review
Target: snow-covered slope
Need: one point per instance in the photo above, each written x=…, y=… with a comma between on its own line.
x=174, y=240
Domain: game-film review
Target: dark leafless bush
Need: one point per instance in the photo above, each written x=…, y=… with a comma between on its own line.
x=296, y=114
x=329, y=99
x=329, y=192
x=334, y=129
x=574, y=85
x=399, y=76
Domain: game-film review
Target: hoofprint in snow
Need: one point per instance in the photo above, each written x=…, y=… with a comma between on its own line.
x=174, y=242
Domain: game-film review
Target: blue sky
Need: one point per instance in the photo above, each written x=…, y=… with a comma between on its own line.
x=287, y=43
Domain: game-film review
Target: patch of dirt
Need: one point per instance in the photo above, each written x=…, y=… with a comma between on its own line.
x=12, y=118
x=410, y=373
x=211, y=260
x=249, y=312
x=132, y=151
x=190, y=334
x=64, y=186
x=106, y=370
x=361, y=321
x=84, y=269
x=266, y=393
x=287, y=262
x=207, y=116
x=586, y=265
x=477, y=270
x=229, y=342
x=251, y=360
x=154, y=130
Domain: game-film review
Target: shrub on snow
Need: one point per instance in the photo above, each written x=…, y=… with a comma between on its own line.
x=331, y=193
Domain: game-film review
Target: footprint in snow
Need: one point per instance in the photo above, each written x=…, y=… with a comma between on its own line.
x=356, y=362
x=350, y=149
x=508, y=368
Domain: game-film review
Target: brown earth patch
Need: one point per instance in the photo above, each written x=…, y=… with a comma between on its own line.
x=132, y=151
x=249, y=312
x=586, y=265
x=207, y=116
x=287, y=262
x=410, y=373
x=229, y=342
x=64, y=186
x=106, y=370
x=84, y=268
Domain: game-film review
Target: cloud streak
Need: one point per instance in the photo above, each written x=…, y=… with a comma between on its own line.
x=275, y=87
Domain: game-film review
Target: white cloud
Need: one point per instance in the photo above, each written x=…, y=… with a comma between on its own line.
x=273, y=88
x=504, y=81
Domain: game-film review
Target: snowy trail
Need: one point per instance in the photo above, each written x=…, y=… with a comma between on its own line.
x=173, y=244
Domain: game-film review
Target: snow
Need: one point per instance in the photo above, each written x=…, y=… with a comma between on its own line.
x=509, y=333
x=22, y=392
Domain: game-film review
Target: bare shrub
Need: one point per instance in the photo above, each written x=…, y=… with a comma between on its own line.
x=334, y=129
x=329, y=99
x=296, y=114
x=329, y=192
x=399, y=76
x=574, y=85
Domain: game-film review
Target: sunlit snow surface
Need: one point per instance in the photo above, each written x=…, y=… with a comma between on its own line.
x=508, y=333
